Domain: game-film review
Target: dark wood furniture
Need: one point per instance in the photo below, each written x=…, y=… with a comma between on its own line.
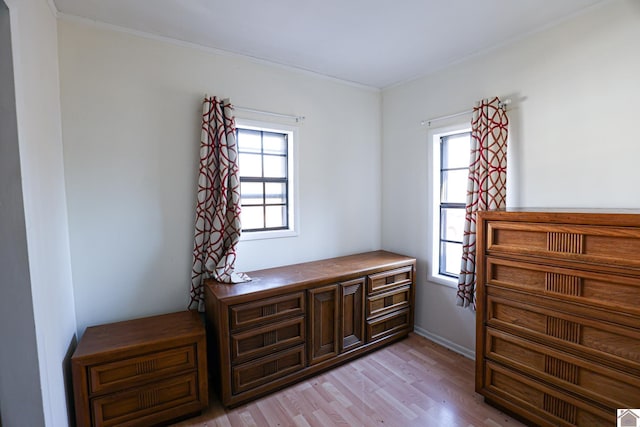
x=558, y=321
x=141, y=372
x=291, y=322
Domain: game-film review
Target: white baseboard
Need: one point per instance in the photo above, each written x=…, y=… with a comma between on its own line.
x=469, y=354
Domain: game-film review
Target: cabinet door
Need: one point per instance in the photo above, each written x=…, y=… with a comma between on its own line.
x=352, y=319
x=323, y=323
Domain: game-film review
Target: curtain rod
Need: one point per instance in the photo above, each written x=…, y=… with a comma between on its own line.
x=269, y=113
x=503, y=104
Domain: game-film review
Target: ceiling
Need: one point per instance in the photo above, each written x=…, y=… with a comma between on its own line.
x=376, y=43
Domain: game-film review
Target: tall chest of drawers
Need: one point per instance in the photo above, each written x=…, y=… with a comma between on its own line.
x=558, y=314
x=294, y=321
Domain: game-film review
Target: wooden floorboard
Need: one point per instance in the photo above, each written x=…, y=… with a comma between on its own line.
x=413, y=382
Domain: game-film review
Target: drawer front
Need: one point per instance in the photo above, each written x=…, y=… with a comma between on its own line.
x=550, y=406
x=389, y=279
x=601, y=245
x=267, y=339
x=261, y=371
x=266, y=310
x=616, y=346
x=613, y=388
x=130, y=372
x=608, y=291
x=386, y=302
x=393, y=323
x=143, y=405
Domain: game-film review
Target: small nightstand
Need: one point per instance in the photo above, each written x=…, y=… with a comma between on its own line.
x=141, y=372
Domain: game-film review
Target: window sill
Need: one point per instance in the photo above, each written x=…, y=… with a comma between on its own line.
x=447, y=281
x=261, y=235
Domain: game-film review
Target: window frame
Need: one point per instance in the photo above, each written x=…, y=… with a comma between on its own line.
x=434, y=136
x=292, y=174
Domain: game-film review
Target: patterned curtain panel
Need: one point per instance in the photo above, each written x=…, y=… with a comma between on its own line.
x=487, y=186
x=217, y=227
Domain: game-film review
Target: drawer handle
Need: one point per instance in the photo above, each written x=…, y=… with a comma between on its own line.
x=147, y=399
x=145, y=367
x=565, y=242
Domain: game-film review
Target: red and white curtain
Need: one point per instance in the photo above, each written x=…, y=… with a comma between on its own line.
x=217, y=227
x=487, y=185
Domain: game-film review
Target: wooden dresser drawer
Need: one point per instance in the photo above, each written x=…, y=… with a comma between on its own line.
x=387, y=302
x=266, y=310
x=609, y=291
x=615, y=389
x=261, y=371
x=145, y=406
x=600, y=341
x=267, y=339
x=547, y=406
x=389, y=279
x=127, y=373
x=610, y=246
x=396, y=322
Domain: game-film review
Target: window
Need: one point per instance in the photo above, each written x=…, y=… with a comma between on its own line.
x=265, y=158
x=451, y=151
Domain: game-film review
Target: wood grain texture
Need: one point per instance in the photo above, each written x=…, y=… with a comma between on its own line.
x=413, y=382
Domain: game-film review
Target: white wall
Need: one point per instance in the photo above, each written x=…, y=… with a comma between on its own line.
x=573, y=135
x=35, y=60
x=131, y=111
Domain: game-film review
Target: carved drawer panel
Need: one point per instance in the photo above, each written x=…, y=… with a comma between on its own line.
x=609, y=291
x=614, y=345
x=388, y=301
x=267, y=339
x=389, y=279
x=396, y=322
x=551, y=406
x=601, y=245
x=261, y=371
x=614, y=388
x=144, y=406
x=266, y=310
x=125, y=373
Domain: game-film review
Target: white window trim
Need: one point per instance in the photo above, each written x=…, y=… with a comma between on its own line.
x=433, y=138
x=294, y=219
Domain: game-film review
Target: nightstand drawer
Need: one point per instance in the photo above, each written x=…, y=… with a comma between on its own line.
x=262, y=341
x=266, y=310
x=387, y=302
x=126, y=373
x=145, y=406
x=389, y=279
x=261, y=371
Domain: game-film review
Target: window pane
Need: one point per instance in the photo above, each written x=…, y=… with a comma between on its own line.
x=452, y=224
x=275, y=166
x=249, y=141
x=276, y=193
x=250, y=165
x=276, y=216
x=454, y=186
x=451, y=258
x=275, y=143
x=456, y=151
x=251, y=193
x=252, y=217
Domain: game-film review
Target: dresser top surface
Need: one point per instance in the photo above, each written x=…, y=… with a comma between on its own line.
x=145, y=331
x=327, y=270
x=595, y=216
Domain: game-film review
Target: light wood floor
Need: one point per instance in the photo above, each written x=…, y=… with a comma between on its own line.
x=413, y=382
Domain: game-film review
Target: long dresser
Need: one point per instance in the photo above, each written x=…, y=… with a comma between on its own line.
x=558, y=314
x=291, y=322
